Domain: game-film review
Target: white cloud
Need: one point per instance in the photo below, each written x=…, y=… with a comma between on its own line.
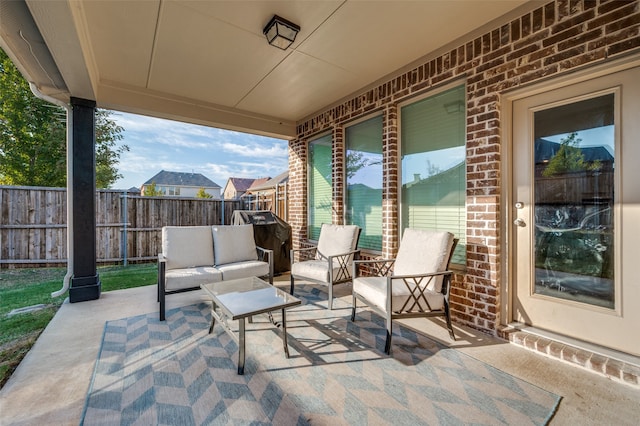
x=257, y=150
x=156, y=144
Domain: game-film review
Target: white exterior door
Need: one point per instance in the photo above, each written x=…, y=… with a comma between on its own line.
x=576, y=210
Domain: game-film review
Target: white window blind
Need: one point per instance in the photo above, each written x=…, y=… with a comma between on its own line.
x=433, y=166
x=319, y=170
x=364, y=181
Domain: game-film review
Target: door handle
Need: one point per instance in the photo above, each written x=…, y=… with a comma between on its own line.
x=519, y=222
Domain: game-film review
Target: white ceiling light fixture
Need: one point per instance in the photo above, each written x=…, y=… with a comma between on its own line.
x=280, y=32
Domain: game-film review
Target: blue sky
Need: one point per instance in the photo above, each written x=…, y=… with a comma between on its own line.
x=156, y=144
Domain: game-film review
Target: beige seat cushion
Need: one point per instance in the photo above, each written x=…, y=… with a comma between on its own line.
x=374, y=290
x=423, y=252
x=187, y=246
x=317, y=270
x=248, y=268
x=233, y=243
x=336, y=239
x=178, y=279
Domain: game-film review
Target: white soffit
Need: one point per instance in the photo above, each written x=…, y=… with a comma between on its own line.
x=122, y=38
x=213, y=55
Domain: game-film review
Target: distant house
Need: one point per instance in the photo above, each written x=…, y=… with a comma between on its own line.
x=178, y=184
x=265, y=186
x=268, y=195
x=237, y=187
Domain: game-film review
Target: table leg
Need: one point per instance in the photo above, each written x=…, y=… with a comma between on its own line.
x=213, y=317
x=241, y=325
x=284, y=334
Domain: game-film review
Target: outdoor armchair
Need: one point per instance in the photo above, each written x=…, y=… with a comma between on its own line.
x=414, y=284
x=330, y=260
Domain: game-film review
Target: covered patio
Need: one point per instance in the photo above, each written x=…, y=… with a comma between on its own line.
x=359, y=69
x=51, y=384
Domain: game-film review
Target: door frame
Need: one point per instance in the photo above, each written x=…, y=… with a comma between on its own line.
x=507, y=239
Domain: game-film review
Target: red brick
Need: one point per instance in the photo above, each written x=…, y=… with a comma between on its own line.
x=537, y=45
x=549, y=14
x=584, y=37
x=624, y=46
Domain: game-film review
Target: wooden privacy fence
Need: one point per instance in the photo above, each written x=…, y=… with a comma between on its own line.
x=33, y=224
x=273, y=199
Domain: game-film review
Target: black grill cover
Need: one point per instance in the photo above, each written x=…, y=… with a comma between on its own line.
x=270, y=232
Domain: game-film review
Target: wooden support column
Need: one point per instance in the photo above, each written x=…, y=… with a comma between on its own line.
x=85, y=283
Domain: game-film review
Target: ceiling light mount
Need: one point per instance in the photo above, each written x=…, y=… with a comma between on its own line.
x=280, y=32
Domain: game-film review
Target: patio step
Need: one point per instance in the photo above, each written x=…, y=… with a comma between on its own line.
x=614, y=365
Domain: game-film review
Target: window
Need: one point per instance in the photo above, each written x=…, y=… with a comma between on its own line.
x=364, y=181
x=169, y=190
x=433, y=165
x=574, y=187
x=319, y=185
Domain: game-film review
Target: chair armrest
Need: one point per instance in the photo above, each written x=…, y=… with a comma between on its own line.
x=417, y=285
x=345, y=263
x=347, y=253
x=342, y=257
x=292, y=252
x=262, y=253
x=431, y=274
x=416, y=278
x=380, y=267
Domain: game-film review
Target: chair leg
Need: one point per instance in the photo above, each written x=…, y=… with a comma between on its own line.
x=162, y=304
x=330, y=300
x=448, y=316
x=353, y=308
x=161, y=291
x=291, y=290
x=387, y=343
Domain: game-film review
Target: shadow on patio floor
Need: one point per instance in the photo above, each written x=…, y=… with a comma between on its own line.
x=50, y=385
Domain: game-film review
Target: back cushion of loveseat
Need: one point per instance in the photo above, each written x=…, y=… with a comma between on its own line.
x=187, y=246
x=233, y=243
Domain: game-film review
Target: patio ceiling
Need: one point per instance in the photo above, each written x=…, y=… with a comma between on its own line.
x=207, y=62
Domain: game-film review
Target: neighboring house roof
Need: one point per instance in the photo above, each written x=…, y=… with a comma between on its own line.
x=269, y=183
x=257, y=183
x=545, y=150
x=240, y=184
x=182, y=179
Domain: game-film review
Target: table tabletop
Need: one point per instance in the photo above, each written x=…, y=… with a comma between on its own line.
x=246, y=297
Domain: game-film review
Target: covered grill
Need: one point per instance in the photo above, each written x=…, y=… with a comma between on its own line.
x=270, y=232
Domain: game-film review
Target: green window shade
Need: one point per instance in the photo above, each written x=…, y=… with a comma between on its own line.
x=364, y=181
x=433, y=166
x=319, y=185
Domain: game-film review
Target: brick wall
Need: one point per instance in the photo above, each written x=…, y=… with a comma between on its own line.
x=554, y=39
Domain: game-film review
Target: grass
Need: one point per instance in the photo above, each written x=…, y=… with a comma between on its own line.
x=20, y=288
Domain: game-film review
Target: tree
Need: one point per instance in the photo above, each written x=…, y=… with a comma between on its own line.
x=107, y=153
x=33, y=137
x=356, y=160
x=203, y=194
x=151, y=191
x=569, y=158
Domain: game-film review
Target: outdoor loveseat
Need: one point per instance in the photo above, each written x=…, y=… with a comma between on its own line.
x=194, y=255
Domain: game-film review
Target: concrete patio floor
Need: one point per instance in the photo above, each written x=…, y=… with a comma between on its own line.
x=51, y=383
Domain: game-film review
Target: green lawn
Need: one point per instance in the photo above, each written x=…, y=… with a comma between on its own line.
x=20, y=288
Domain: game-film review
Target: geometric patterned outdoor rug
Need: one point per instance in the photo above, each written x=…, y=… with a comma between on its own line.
x=173, y=372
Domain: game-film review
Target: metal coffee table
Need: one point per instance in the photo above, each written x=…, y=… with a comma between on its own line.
x=243, y=298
